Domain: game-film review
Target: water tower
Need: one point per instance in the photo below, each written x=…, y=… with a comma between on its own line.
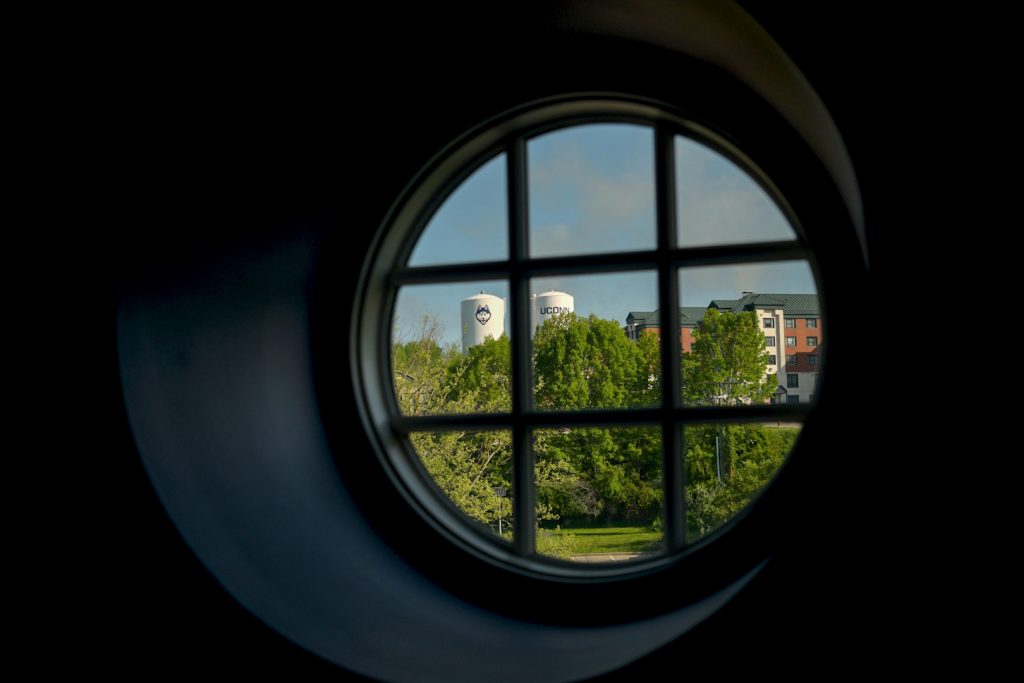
x=483, y=316
x=547, y=305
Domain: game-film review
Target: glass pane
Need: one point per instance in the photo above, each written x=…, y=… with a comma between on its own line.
x=585, y=354
x=449, y=349
x=591, y=190
x=599, y=493
x=736, y=340
x=718, y=203
x=727, y=465
x=474, y=469
x=472, y=224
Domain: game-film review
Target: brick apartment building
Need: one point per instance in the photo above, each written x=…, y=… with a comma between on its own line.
x=792, y=330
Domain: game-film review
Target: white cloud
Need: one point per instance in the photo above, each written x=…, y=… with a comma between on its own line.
x=717, y=203
x=599, y=198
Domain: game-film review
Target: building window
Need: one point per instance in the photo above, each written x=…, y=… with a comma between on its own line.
x=771, y=359
x=812, y=359
x=790, y=322
x=790, y=341
x=812, y=341
x=790, y=359
x=792, y=381
x=792, y=399
x=508, y=264
x=812, y=322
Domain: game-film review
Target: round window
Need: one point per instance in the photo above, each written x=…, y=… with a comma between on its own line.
x=587, y=338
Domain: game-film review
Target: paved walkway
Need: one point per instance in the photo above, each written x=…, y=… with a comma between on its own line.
x=610, y=557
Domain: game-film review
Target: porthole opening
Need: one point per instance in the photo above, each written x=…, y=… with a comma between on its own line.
x=525, y=393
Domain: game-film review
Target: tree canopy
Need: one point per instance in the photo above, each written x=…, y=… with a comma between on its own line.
x=590, y=363
x=727, y=362
x=612, y=473
x=727, y=466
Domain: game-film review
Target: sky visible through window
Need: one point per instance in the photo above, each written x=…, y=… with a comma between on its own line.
x=591, y=190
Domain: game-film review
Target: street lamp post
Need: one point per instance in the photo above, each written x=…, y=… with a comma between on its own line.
x=500, y=492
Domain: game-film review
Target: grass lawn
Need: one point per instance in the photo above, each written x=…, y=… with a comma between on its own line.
x=612, y=539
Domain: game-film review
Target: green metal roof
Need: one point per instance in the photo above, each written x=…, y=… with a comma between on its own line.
x=688, y=315
x=641, y=317
x=691, y=315
x=795, y=305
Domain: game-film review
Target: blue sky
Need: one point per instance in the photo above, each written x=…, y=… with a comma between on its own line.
x=591, y=190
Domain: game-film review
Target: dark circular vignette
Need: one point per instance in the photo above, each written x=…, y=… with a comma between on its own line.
x=304, y=174
x=719, y=102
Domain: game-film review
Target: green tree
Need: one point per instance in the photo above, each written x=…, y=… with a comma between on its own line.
x=649, y=347
x=466, y=465
x=727, y=465
x=431, y=379
x=615, y=473
x=484, y=374
x=750, y=455
x=728, y=361
x=584, y=363
x=418, y=371
x=590, y=363
x=612, y=473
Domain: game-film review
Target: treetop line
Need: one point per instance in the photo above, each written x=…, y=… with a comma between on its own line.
x=596, y=473
x=794, y=313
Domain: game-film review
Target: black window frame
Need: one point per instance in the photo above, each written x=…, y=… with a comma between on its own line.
x=792, y=380
x=814, y=343
x=371, y=351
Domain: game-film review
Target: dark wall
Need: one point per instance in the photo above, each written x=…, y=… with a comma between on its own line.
x=238, y=134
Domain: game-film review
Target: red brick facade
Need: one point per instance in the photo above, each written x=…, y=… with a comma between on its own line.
x=802, y=350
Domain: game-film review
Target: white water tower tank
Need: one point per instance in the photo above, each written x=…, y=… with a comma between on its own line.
x=483, y=316
x=548, y=304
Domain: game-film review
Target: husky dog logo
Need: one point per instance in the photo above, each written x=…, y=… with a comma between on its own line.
x=483, y=314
